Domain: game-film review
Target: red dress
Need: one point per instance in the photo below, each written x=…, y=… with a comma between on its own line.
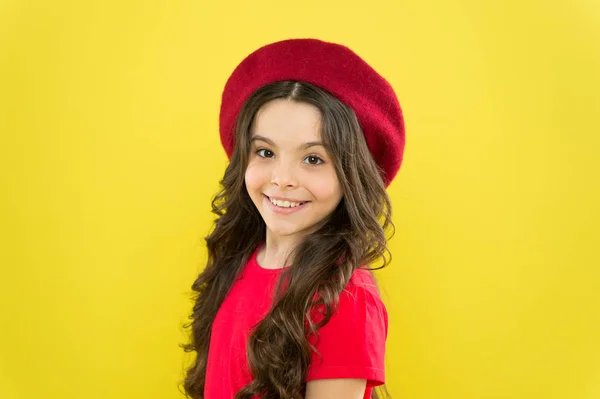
x=352, y=344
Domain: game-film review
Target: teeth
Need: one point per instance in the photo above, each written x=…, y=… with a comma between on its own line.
x=285, y=204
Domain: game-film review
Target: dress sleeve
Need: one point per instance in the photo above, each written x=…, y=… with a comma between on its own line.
x=352, y=343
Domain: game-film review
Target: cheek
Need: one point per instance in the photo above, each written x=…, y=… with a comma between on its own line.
x=328, y=188
x=254, y=177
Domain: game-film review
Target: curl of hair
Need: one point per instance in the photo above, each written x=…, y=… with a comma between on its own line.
x=354, y=235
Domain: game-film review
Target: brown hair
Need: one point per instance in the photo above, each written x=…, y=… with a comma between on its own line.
x=354, y=234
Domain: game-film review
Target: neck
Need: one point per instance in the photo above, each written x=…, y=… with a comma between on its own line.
x=274, y=254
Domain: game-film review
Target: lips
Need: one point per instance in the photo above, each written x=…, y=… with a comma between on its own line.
x=282, y=209
x=284, y=199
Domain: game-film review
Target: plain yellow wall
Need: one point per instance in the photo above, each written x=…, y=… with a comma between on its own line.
x=109, y=156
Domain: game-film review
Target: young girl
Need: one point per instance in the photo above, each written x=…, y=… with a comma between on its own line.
x=287, y=306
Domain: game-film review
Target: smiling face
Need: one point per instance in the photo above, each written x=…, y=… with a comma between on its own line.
x=290, y=177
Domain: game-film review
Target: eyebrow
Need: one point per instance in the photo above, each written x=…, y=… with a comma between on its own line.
x=301, y=147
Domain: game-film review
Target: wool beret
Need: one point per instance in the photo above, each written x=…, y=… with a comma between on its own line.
x=334, y=68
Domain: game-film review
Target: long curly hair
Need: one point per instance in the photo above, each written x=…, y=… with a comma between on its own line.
x=355, y=234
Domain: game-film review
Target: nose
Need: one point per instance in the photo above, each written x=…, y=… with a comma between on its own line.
x=283, y=175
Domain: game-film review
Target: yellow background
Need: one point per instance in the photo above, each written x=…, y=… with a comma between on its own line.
x=109, y=156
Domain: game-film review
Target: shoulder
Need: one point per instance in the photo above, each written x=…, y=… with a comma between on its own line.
x=363, y=279
x=352, y=343
x=361, y=299
x=359, y=304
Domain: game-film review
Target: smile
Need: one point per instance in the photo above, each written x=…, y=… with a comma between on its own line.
x=284, y=207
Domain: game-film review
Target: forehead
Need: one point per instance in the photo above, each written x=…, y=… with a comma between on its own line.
x=286, y=120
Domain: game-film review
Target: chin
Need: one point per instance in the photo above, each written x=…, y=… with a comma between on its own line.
x=284, y=231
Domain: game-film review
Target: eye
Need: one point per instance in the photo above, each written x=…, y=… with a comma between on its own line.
x=264, y=153
x=313, y=160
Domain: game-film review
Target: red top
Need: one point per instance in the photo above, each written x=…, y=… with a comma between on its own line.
x=352, y=344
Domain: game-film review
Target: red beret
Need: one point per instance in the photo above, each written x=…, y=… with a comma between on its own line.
x=334, y=68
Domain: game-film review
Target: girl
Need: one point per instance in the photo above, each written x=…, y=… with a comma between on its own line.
x=287, y=306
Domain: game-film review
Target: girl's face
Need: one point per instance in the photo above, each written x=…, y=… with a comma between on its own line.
x=290, y=177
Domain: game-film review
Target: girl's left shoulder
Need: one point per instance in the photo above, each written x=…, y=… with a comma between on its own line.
x=361, y=295
x=363, y=279
x=352, y=343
